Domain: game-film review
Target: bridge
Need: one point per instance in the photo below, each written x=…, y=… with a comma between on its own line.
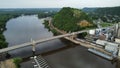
x=68, y=36
x=38, y=41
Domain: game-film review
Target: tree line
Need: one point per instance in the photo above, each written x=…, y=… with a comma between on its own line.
x=6, y=14
x=3, y=19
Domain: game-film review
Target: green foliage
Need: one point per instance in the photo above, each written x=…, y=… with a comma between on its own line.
x=43, y=15
x=6, y=15
x=67, y=19
x=106, y=14
x=82, y=35
x=3, y=44
x=54, y=32
x=109, y=10
x=17, y=62
x=2, y=37
x=106, y=24
x=46, y=23
x=29, y=11
x=3, y=19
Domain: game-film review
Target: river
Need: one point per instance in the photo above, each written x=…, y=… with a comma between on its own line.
x=26, y=27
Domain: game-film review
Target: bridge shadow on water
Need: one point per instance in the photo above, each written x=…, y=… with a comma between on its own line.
x=68, y=45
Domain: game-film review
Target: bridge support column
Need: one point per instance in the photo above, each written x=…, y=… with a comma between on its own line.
x=73, y=36
x=33, y=46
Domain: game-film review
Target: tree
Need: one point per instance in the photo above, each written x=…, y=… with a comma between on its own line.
x=67, y=19
x=17, y=62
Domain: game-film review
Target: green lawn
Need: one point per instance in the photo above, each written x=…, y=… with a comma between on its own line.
x=106, y=24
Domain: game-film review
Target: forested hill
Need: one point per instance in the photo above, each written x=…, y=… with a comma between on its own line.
x=71, y=19
x=105, y=10
x=89, y=9
x=109, y=10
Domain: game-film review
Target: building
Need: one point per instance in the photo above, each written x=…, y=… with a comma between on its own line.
x=113, y=48
x=118, y=30
x=92, y=32
x=117, y=40
x=101, y=42
x=109, y=46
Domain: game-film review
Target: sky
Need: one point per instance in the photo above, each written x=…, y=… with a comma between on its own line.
x=57, y=3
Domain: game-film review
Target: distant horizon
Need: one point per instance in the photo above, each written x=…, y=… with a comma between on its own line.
x=56, y=7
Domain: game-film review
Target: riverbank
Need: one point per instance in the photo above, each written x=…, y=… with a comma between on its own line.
x=3, y=20
x=11, y=63
x=3, y=43
x=50, y=26
x=7, y=64
x=47, y=25
x=32, y=27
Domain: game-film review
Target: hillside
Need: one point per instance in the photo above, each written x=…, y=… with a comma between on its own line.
x=106, y=14
x=109, y=10
x=71, y=19
x=89, y=9
x=104, y=10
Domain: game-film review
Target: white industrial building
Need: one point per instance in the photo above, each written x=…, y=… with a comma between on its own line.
x=117, y=40
x=101, y=42
x=109, y=46
x=92, y=32
x=103, y=34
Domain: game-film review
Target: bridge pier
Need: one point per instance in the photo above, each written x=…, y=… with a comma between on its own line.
x=73, y=36
x=33, y=47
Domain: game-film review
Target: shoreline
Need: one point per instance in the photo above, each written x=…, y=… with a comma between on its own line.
x=3, y=21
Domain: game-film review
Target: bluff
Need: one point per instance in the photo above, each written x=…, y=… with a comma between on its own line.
x=72, y=19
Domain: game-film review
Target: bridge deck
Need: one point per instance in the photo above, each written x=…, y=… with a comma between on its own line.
x=38, y=41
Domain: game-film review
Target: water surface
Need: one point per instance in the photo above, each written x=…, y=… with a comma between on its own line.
x=23, y=28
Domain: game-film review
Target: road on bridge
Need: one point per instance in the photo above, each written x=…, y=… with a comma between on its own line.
x=38, y=41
